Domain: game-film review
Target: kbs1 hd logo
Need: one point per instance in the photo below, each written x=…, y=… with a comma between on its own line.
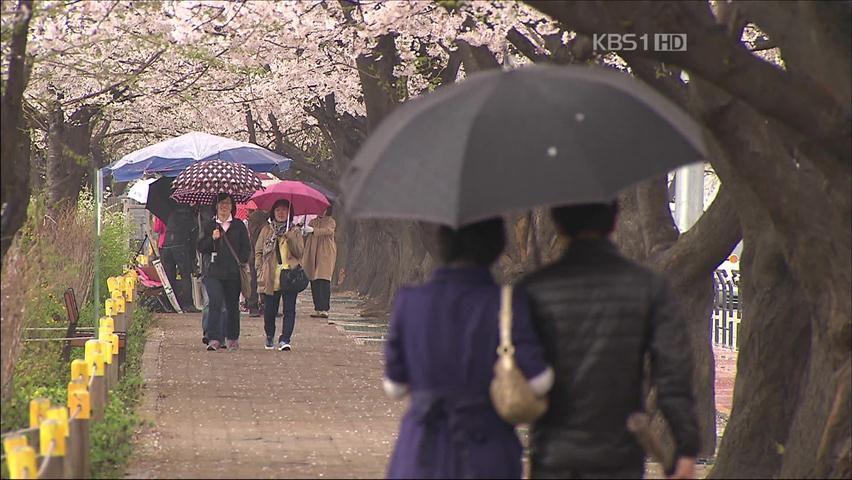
x=631, y=42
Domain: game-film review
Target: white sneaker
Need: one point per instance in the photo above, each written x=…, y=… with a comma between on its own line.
x=282, y=346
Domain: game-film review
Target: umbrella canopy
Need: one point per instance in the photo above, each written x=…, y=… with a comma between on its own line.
x=535, y=136
x=202, y=182
x=303, y=199
x=331, y=196
x=160, y=202
x=267, y=179
x=139, y=190
x=171, y=156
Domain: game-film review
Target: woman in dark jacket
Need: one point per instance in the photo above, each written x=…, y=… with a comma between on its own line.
x=223, y=274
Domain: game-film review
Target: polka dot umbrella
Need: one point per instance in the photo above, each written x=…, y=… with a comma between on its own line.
x=201, y=182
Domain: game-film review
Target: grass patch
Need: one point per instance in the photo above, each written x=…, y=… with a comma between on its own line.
x=111, y=439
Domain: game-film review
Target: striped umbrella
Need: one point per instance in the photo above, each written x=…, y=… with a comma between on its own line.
x=201, y=182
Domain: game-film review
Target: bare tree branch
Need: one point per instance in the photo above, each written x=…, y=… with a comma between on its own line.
x=790, y=97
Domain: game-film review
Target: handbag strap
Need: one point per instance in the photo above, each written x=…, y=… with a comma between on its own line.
x=506, y=347
x=231, y=248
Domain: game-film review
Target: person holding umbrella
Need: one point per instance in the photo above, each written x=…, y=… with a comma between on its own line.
x=318, y=260
x=279, y=247
x=224, y=237
x=441, y=350
x=221, y=237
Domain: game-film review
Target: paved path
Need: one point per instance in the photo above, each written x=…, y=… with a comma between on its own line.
x=726, y=372
x=317, y=411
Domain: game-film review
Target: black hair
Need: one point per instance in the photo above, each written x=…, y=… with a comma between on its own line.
x=222, y=196
x=480, y=243
x=280, y=203
x=589, y=217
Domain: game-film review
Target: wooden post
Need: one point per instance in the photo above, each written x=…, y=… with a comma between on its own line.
x=78, y=449
x=55, y=467
x=99, y=397
x=52, y=450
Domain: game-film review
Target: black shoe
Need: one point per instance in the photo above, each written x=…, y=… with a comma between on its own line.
x=205, y=340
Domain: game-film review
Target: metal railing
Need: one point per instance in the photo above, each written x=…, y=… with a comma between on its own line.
x=727, y=309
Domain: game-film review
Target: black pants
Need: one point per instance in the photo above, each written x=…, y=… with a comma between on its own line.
x=321, y=291
x=223, y=324
x=179, y=258
x=270, y=309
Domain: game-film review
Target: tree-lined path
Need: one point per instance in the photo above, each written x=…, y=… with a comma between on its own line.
x=317, y=411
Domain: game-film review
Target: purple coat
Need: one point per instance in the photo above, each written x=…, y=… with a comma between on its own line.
x=442, y=343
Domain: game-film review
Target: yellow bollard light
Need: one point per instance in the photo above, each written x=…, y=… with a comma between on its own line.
x=51, y=431
x=109, y=308
x=81, y=368
x=95, y=357
x=106, y=351
x=112, y=284
x=129, y=287
x=10, y=443
x=38, y=408
x=114, y=341
x=118, y=301
x=22, y=462
x=60, y=414
x=107, y=322
x=80, y=399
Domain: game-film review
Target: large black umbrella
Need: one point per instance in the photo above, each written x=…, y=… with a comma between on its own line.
x=501, y=141
x=159, y=200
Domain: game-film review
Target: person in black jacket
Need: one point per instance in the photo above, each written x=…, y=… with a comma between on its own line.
x=598, y=314
x=222, y=280
x=178, y=253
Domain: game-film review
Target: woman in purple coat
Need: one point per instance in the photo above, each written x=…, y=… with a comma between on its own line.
x=441, y=349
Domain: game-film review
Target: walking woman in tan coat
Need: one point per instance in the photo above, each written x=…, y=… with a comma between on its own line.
x=278, y=248
x=318, y=260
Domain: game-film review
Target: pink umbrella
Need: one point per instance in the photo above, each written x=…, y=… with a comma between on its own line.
x=303, y=199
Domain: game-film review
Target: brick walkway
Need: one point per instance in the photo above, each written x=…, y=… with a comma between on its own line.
x=726, y=371
x=317, y=411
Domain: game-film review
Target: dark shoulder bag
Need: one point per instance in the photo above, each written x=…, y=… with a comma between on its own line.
x=293, y=280
x=245, y=270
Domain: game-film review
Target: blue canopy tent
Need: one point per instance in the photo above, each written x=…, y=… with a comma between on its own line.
x=170, y=157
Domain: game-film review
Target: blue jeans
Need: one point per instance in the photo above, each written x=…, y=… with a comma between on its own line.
x=270, y=309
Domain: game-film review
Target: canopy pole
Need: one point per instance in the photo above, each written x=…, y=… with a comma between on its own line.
x=99, y=200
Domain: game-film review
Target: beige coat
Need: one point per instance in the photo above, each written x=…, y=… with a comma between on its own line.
x=320, y=249
x=265, y=264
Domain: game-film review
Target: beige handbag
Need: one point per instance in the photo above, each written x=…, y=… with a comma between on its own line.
x=511, y=394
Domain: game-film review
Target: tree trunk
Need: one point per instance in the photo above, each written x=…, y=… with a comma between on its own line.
x=69, y=156
x=770, y=367
x=15, y=144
